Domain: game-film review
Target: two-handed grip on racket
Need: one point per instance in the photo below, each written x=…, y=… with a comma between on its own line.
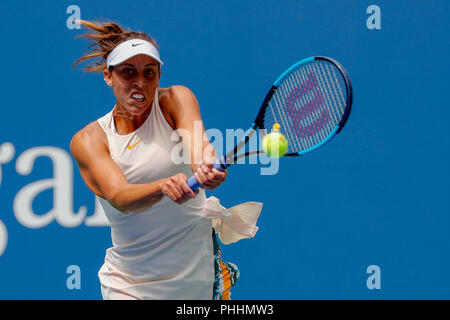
x=219, y=165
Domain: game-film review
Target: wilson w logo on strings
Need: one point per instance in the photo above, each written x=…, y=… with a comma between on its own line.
x=304, y=105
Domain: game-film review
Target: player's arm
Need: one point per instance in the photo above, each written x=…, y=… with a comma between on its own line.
x=186, y=114
x=102, y=175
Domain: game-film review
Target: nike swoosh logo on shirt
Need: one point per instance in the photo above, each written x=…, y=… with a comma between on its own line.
x=136, y=44
x=134, y=145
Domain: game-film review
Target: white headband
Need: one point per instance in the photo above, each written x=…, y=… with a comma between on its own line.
x=131, y=48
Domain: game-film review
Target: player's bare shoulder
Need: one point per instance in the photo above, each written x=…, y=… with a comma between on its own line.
x=175, y=95
x=176, y=101
x=91, y=138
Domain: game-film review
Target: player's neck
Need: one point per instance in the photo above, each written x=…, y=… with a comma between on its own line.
x=126, y=123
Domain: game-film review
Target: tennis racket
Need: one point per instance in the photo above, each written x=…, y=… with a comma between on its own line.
x=310, y=101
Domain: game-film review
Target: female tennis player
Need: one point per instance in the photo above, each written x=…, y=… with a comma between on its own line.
x=162, y=246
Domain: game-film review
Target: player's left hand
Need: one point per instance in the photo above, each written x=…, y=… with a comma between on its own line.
x=209, y=177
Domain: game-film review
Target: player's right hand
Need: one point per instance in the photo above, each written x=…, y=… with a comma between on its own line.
x=176, y=188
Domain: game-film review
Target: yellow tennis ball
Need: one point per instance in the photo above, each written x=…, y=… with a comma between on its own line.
x=274, y=144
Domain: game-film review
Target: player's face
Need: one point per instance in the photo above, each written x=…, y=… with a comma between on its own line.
x=134, y=83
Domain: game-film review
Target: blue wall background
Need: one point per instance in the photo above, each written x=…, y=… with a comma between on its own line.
x=377, y=195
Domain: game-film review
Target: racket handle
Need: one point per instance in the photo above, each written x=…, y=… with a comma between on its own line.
x=219, y=164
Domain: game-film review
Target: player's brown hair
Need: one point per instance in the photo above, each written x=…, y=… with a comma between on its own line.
x=105, y=37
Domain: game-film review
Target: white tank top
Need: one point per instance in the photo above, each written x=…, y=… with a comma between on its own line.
x=165, y=252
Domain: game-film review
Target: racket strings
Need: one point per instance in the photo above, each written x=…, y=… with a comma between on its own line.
x=307, y=98
x=292, y=121
x=327, y=100
x=309, y=104
x=342, y=103
x=331, y=85
x=278, y=115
